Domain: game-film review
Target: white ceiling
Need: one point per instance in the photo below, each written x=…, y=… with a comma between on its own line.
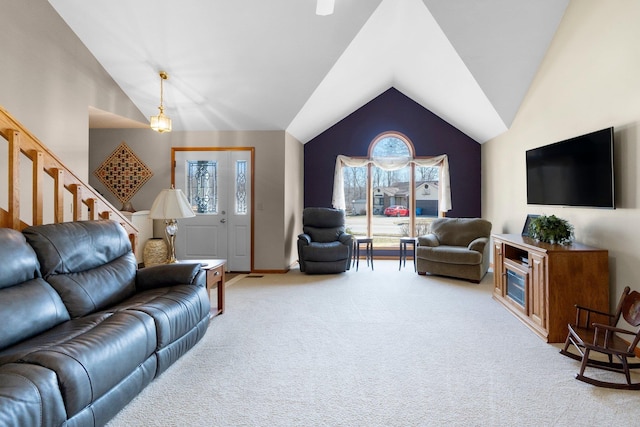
x=276, y=65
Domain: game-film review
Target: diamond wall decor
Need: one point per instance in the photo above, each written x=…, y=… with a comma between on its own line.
x=123, y=173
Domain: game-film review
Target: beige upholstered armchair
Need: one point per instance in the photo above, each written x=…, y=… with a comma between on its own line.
x=455, y=247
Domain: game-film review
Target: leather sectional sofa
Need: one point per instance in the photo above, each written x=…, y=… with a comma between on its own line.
x=82, y=330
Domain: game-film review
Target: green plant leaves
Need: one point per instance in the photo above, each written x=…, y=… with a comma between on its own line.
x=551, y=229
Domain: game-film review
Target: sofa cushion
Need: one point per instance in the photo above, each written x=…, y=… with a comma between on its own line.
x=89, y=263
x=89, y=364
x=449, y=254
x=77, y=246
x=28, y=309
x=52, y=337
x=325, y=252
x=30, y=396
x=460, y=231
x=323, y=235
x=175, y=310
x=28, y=305
x=323, y=217
x=19, y=261
x=89, y=291
x=323, y=224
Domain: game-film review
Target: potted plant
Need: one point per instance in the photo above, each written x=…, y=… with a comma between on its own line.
x=551, y=229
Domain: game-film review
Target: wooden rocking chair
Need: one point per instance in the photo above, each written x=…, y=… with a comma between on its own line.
x=606, y=339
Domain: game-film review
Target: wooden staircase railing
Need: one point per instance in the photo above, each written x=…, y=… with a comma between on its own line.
x=87, y=203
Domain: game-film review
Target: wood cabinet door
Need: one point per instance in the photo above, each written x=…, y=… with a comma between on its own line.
x=537, y=289
x=498, y=270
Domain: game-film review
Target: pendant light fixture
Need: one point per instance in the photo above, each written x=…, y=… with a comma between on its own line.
x=161, y=123
x=324, y=7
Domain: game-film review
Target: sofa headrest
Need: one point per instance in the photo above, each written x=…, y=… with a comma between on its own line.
x=72, y=247
x=323, y=217
x=19, y=261
x=29, y=309
x=460, y=231
x=89, y=263
x=324, y=225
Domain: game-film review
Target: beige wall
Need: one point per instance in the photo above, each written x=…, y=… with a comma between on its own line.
x=294, y=196
x=278, y=179
x=48, y=80
x=589, y=80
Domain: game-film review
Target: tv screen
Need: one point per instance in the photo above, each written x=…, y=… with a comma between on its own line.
x=575, y=172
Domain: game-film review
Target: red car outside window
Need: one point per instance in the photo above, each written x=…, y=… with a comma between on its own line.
x=396, y=210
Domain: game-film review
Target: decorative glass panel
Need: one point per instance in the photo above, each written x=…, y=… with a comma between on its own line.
x=391, y=146
x=202, y=182
x=241, y=187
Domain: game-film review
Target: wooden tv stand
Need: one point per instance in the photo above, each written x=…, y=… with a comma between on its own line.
x=541, y=283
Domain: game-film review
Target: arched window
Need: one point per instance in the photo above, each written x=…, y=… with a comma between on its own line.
x=391, y=193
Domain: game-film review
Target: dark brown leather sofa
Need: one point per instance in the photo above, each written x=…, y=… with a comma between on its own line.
x=82, y=330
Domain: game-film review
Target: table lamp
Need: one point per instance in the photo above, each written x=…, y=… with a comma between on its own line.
x=171, y=205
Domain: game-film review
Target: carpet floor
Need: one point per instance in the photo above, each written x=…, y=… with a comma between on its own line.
x=383, y=348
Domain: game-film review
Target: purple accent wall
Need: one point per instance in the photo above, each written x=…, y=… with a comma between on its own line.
x=393, y=111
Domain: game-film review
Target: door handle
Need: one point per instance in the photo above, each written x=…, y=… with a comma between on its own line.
x=223, y=220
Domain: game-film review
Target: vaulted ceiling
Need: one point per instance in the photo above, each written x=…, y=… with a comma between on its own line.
x=276, y=65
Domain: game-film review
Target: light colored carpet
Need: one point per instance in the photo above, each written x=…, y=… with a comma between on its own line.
x=383, y=348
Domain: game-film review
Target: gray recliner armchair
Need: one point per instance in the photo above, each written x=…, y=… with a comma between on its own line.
x=456, y=247
x=323, y=246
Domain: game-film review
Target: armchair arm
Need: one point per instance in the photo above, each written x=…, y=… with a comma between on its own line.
x=160, y=276
x=478, y=244
x=346, y=239
x=428, y=240
x=585, y=313
x=304, y=239
x=609, y=328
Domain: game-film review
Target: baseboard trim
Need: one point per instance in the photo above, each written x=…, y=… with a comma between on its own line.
x=270, y=271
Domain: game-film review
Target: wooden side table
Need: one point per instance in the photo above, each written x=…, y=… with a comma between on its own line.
x=368, y=242
x=215, y=277
x=404, y=242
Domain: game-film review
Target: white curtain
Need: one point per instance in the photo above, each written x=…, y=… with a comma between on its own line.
x=390, y=164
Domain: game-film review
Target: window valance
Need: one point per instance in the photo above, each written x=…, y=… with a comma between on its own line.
x=390, y=164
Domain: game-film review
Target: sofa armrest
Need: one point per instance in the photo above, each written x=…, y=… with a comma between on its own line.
x=160, y=276
x=428, y=240
x=478, y=244
x=304, y=239
x=346, y=239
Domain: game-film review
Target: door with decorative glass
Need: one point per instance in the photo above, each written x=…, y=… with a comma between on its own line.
x=217, y=183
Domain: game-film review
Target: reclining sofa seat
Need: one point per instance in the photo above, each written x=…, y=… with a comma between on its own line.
x=323, y=246
x=83, y=331
x=455, y=247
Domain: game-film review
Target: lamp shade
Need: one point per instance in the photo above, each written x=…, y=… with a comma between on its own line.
x=171, y=203
x=160, y=123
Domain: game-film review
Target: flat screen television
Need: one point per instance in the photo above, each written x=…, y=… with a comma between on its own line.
x=575, y=172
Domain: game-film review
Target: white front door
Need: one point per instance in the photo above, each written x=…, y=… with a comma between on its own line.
x=218, y=186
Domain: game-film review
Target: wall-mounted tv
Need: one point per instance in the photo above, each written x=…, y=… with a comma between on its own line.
x=575, y=172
